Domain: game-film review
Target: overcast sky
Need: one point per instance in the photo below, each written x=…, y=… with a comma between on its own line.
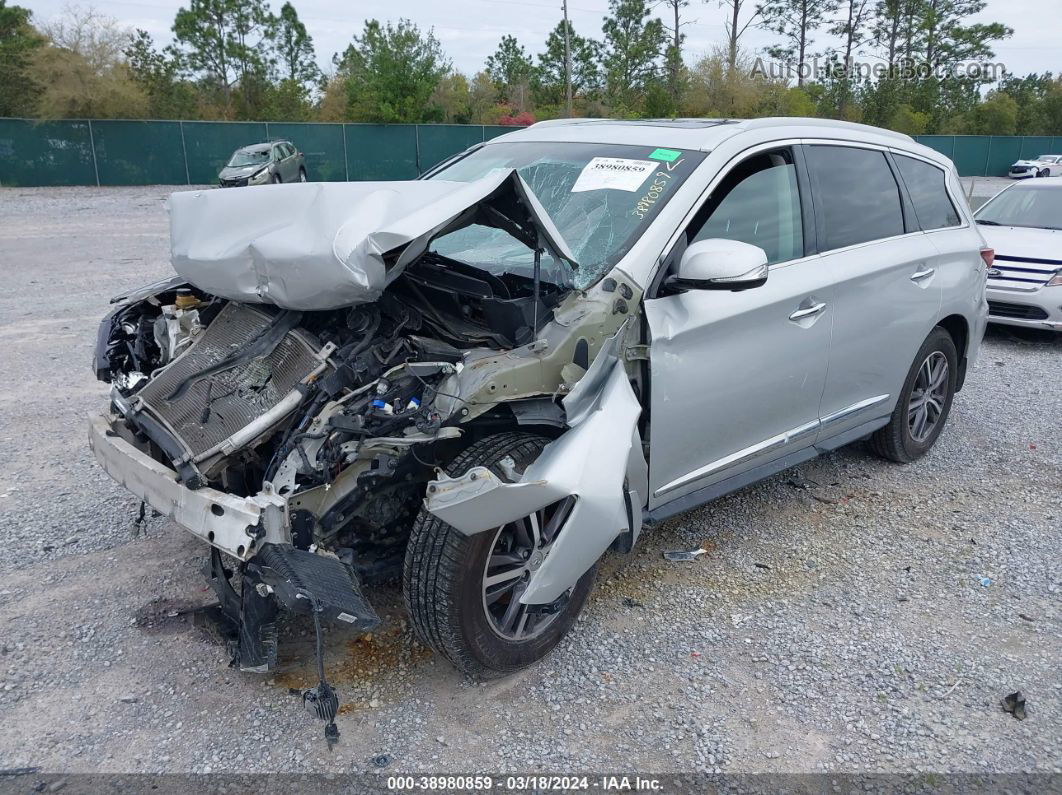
x=470, y=29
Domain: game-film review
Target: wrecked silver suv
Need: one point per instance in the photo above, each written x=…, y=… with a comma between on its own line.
x=482, y=380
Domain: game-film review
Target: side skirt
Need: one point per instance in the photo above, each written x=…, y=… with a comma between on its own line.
x=696, y=499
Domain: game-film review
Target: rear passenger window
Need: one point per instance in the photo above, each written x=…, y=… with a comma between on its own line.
x=855, y=194
x=926, y=184
x=757, y=203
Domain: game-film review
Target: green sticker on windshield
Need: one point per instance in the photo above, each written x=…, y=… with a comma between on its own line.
x=667, y=155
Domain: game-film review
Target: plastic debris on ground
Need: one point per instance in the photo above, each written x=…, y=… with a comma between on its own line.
x=1015, y=704
x=682, y=554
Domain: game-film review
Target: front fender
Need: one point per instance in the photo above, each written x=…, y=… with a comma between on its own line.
x=599, y=461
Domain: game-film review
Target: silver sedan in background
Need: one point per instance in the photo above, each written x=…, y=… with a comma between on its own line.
x=1023, y=223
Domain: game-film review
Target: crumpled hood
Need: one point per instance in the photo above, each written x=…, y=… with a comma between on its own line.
x=239, y=172
x=321, y=245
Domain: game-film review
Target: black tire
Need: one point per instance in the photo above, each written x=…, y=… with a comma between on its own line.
x=1043, y=172
x=302, y=175
x=276, y=179
x=443, y=579
x=895, y=441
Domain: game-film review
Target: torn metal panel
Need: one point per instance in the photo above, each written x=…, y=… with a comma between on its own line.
x=592, y=461
x=232, y=524
x=317, y=246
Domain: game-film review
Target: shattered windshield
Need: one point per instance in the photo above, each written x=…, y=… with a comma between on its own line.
x=600, y=196
x=254, y=157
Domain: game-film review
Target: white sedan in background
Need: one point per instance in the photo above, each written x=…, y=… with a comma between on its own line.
x=1042, y=166
x=1023, y=223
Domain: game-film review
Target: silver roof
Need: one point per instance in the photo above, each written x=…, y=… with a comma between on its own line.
x=703, y=134
x=707, y=134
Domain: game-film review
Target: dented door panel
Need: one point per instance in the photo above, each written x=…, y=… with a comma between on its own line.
x=737, y=379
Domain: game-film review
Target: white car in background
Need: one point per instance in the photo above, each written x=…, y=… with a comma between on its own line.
x=1042, y=166
x=1023, y=223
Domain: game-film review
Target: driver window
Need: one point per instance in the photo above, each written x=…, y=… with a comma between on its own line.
x=757, y=203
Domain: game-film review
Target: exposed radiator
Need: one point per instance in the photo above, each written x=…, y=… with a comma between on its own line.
x=215, y=407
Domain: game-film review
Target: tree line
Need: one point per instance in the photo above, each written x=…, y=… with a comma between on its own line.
x=239, y=60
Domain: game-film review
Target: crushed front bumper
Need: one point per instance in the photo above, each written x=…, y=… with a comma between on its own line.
x=235, y=525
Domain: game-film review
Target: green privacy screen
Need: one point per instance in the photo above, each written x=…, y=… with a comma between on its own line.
x=102, y=152
x=97, y=152
x=51, y=153
x=990, y=155
x=139, y=152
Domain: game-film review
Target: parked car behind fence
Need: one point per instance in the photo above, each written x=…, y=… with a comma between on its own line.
x=261, y=164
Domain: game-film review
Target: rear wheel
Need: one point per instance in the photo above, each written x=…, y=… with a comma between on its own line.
x=463, y=592
x=924, y=402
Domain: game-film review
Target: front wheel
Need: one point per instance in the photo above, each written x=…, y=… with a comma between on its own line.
x=924, y=402
x=463, y=592
x=1043, y=172
x=302, y=175
x=276, y=179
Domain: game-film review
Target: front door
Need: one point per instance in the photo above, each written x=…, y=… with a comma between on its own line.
x=736, y=377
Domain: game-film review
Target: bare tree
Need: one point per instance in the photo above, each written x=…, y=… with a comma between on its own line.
x=96, y=37
x=734, y=28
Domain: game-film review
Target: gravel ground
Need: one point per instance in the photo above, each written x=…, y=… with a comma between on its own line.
x=838, y=622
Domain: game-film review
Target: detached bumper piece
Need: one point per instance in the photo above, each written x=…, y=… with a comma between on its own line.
x=303, y=582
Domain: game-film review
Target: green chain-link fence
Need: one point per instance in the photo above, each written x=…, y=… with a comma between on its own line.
x=106, y=152
x=192, y=152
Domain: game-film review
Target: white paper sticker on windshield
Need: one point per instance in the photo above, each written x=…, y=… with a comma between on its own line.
x=613, y=173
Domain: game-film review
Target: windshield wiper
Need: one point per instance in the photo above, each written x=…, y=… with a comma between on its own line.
x=986, y=222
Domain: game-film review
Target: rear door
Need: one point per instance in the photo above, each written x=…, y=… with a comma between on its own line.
x=886, y=286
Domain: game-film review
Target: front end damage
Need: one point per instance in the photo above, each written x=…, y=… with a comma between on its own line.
x=299, y=429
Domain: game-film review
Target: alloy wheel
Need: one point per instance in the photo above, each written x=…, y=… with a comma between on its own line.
x=518, y=551
x=928, y=396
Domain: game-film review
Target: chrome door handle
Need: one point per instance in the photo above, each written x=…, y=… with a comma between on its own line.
x=917, y=276
x=814, y=309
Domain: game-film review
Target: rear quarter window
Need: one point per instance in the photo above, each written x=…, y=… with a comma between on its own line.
x=856, y=195
x=927, y=186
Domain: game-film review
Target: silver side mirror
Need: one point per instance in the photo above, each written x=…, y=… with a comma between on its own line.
x=720, y=264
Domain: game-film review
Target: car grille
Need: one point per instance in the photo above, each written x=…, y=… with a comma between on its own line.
x=1015, y=311
x=213, y=408
x=1022, y=273
x=1019, y=169
x=233, y=183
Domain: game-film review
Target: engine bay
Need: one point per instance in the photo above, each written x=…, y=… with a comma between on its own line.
x=333, y=410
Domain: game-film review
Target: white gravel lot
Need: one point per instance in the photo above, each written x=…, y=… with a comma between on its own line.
x=864, y=640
